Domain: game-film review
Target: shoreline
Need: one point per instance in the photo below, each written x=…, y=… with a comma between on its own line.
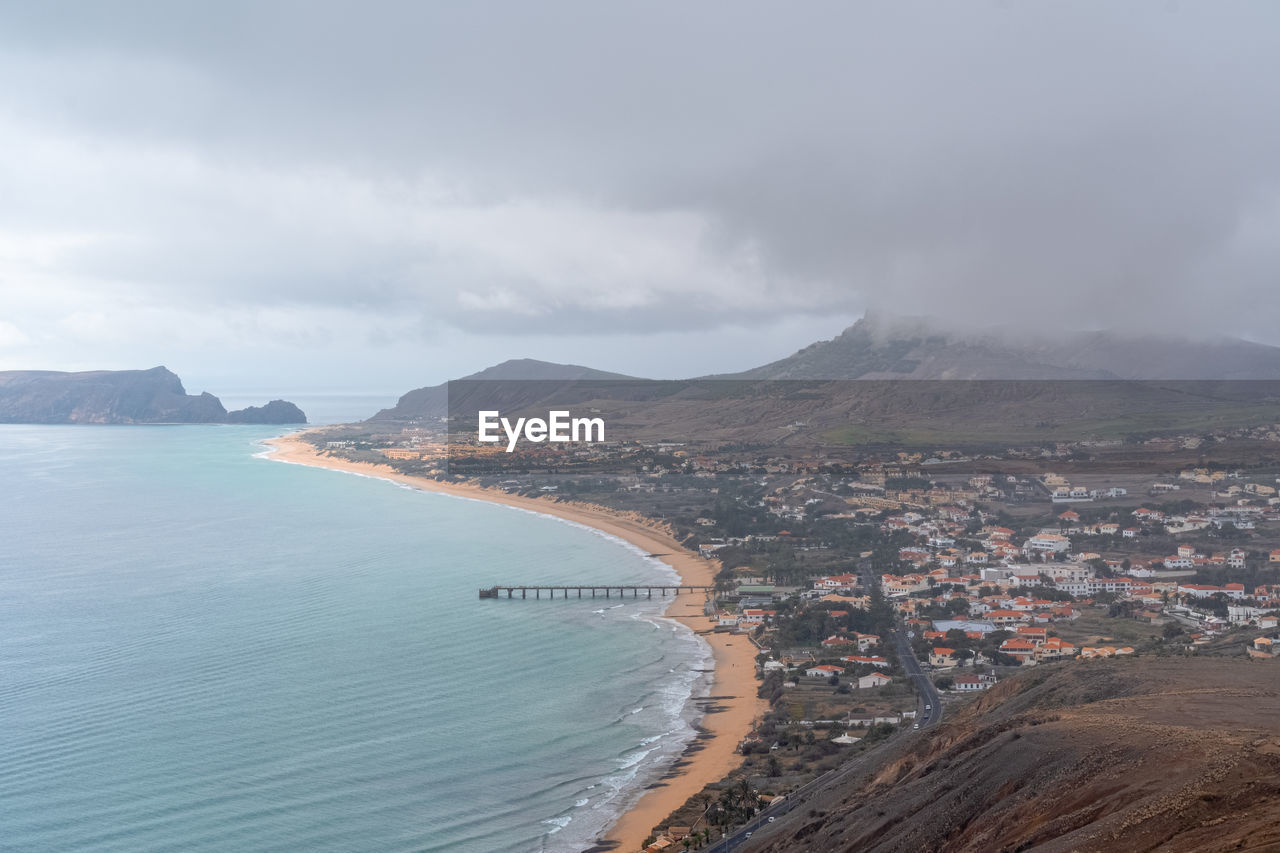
x=725, y=721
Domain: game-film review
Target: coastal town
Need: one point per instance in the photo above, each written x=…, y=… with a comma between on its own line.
x=975, y=563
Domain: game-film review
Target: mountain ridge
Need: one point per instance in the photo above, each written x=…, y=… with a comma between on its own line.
x=918, y=348
x=878, y=350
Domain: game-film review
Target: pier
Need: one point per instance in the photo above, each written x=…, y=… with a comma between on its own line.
x=594, y=589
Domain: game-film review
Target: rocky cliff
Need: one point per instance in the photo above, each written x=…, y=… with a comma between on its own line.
x=120, y=397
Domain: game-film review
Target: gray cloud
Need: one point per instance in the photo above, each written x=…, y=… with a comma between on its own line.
x=339, y=173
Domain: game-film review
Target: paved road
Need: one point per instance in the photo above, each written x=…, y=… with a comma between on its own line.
x=926, y=718
x=929, y=711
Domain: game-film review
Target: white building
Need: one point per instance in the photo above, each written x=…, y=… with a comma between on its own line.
x=1052, y=543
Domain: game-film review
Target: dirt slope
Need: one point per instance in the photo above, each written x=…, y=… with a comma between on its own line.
x=1123, y=755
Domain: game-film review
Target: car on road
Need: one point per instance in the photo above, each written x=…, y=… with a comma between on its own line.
x=916, y=726
x=928, y=707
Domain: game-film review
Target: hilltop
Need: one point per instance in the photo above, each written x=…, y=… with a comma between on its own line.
x=433, y=402
x=121, y=397
x=920, y=348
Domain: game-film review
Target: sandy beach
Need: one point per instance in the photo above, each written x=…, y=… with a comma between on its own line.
x=735, y=706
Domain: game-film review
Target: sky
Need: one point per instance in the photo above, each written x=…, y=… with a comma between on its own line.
x=313, y=195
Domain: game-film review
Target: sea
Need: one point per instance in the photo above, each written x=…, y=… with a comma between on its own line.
x=203, y=649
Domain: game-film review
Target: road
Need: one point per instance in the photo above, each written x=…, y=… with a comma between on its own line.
x=930, y=711
x=928, y=698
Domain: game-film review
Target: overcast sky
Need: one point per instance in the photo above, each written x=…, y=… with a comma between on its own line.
x=319, y=195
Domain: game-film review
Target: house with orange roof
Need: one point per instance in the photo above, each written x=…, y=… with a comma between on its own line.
x=1265, y=647
x=872, y=660
x=1035, y=633
x=1063, y=611
x=972, y=683
x=1008, y=617
x=1048, y=543
x=825, y=670
x=875, y=679
x=866, y=641
x=942, y=656
x=1055, y=648
x=1023, y=650
x=755, y=616
x=899, y=585
x=1201, y=590
x=836, y=582
x=916, y=556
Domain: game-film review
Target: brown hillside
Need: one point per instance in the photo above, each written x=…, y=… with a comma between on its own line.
x=1120, y=755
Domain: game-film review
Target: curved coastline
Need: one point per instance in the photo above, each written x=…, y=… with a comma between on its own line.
x=734, y=709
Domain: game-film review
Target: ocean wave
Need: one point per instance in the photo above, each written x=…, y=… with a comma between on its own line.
x=557, y=823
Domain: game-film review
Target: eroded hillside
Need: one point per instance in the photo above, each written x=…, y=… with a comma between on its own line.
x=1133, y=755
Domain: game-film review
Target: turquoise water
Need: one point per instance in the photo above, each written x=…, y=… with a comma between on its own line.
x=204, y=650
